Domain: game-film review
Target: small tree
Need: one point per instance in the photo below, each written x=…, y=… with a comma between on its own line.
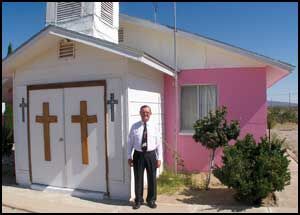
x=213, y=132
x=7, y=125
x=9, y=49
x=7, y=131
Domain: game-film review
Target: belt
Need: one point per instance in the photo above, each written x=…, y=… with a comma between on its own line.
x=146, y=152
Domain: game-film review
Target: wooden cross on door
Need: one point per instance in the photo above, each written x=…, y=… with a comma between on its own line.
x=46, y=119
x=84, y=119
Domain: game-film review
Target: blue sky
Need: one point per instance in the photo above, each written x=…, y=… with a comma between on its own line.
x=270, y=29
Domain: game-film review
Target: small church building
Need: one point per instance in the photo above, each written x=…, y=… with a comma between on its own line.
x=78, y=84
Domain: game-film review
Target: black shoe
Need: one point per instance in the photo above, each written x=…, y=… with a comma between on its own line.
x=136, y=205
x=152, y=204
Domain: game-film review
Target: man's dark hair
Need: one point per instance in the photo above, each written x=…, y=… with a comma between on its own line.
x=145, y=106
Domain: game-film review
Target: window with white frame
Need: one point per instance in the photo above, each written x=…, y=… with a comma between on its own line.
x=196, y=102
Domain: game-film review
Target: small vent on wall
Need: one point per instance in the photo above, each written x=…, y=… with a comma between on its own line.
x=67, y=11
x=121, y=34
x=66, y=49
x=107, y=12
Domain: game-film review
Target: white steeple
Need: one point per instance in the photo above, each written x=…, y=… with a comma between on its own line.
x=97, y=19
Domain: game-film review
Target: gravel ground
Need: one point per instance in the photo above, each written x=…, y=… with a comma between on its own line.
x=290, y=132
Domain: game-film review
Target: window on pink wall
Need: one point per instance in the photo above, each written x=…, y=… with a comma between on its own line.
x=196, y=102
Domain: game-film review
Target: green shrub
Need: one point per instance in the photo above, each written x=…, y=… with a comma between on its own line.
x=289, y=116
x=254, y=170
x=7, y=131
x=9, y=116
x=271, y=121
x=283, y=114
x=8, y=141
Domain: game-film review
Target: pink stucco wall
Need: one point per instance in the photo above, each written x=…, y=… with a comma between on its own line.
x=241, y=90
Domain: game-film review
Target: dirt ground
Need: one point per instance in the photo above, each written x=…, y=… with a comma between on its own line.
x=290, y=132
x=220, y=194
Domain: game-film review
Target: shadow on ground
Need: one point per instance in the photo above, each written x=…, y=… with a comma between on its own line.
x=106, y=201
x=217, y=198
x=9, y=179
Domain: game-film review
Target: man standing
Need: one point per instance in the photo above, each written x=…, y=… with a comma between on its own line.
x=144, y=139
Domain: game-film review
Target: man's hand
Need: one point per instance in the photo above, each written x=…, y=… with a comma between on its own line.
x=158, y=163
x=130, y=162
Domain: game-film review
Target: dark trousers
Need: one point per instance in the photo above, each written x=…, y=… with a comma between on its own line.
x=142, y=160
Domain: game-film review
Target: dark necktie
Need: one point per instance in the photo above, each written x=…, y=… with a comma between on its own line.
x=144, y=139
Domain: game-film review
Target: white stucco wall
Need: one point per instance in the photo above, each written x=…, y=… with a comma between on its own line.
x=145, y=87
x=133, y=84
x=191, y=53
x=88, y=64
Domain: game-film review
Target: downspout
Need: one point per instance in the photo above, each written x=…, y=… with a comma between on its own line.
x=176, y=95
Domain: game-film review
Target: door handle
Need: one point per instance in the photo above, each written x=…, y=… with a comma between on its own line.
x=61, y=139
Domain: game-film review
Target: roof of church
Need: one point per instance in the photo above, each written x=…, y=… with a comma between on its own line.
x=119, y=49
x=9, y=62
x=226, y=46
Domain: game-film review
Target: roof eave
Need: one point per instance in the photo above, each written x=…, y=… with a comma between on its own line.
x=90, y=41
x=31, y=40
x=146, y=60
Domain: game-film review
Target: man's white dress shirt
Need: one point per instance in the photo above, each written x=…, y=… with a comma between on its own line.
x=153, y=139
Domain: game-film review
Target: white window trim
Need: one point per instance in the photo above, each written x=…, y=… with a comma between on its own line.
x=186, y=133
x=191, y=132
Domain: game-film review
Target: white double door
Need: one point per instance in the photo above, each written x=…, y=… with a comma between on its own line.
x=66, y=167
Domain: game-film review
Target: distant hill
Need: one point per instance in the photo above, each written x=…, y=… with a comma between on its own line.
x=281, y=104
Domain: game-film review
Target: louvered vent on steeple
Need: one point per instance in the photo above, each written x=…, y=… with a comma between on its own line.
x=67, y=11
x=96, y=19
x=121, y=34
x=107, y=12
x=66, y=49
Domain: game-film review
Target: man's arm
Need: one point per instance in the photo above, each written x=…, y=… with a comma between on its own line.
x=159, y=151
x=129, y=147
